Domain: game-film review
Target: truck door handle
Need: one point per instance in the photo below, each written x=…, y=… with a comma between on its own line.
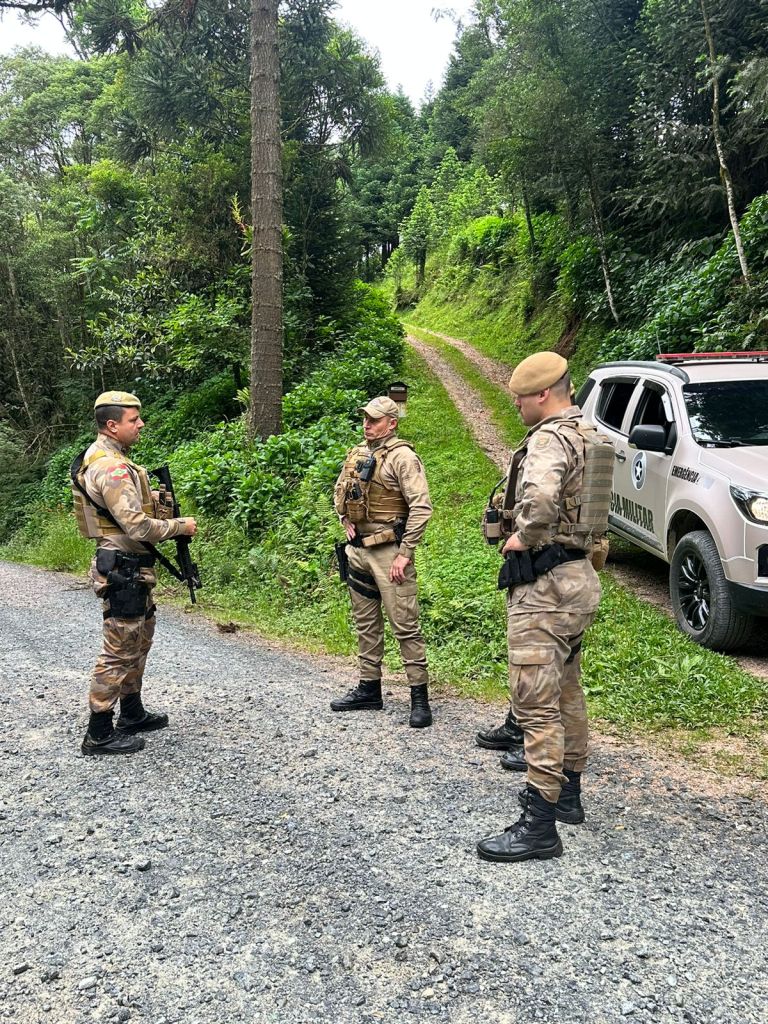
x=620, y=456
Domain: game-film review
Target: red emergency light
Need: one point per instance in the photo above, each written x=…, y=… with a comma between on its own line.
x=680, y=357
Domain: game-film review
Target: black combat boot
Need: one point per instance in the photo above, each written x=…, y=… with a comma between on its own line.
x=101, y=738
x=533, y=837
x=503, y=737
x=421, y=713
x=514, y=759
x=367, y=694
x=135, y=718
x=568, y=808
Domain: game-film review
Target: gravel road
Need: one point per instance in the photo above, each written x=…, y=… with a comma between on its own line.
x=264, y=860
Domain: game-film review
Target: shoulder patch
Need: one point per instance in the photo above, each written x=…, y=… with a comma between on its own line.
x=118, y=472
x=543, y=439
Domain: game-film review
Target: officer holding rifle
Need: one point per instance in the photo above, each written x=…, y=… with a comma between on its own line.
x=116, y=506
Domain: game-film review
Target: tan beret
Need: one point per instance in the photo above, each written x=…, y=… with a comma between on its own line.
x=381, y=406
x=117, y=398
x=537, y=372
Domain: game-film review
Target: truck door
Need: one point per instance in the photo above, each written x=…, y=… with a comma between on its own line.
x=650, y=471
x=616, y=398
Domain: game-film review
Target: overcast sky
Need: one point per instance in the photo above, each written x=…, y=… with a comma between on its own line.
x=414, y=48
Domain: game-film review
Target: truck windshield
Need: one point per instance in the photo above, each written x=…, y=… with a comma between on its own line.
x=728, y=414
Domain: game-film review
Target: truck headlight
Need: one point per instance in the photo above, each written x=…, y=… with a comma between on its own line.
x=753, y=504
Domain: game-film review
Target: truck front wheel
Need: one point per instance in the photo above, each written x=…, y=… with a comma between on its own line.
x=700, y=597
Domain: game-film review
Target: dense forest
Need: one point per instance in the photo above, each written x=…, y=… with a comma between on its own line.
x=592, y=168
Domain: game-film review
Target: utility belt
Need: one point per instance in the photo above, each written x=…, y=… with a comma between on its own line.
x=526, y=566
x=392, y=535
x=127, y=593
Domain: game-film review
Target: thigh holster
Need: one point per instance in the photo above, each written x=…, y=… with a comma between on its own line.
x=363, y=583
x=127, y=593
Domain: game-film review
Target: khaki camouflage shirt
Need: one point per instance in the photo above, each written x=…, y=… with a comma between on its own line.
x=402, y=471
x=549, y=466
x=115, y=483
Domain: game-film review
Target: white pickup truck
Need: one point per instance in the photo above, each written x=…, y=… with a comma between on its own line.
x=691, y=480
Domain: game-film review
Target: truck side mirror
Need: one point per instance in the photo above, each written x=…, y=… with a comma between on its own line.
x=648, y=437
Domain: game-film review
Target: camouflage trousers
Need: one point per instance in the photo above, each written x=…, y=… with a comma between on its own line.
x=546, y=621
x=372, y=595
x=119, y=669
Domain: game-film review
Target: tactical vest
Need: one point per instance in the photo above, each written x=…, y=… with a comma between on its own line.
x=586, y=500
x=372, y=499
x=91, y=521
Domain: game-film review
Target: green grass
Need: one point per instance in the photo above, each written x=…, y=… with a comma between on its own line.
x=504, y=415
x=51, y=540
x=640, y=669
x=493, y=312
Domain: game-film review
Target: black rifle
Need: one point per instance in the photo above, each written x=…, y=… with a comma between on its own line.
x=188, y=571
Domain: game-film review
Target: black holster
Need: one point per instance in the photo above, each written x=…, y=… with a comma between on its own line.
x=525, y=566
x=340, y=549
x=127, y=592
x=398, y=528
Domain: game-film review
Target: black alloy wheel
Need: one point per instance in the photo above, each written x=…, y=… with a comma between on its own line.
x=701, y=596
x=693, y=592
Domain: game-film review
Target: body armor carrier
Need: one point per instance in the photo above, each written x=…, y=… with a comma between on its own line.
x=586, y=502
x=91, y=521
x=366, y=497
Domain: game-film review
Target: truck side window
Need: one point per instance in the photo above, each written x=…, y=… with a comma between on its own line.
x=650, y=410
x=613, y=401
x=653, y=408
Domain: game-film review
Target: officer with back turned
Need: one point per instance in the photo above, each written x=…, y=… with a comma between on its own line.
x=553, y=515
x=116, y=507
x=382, y=500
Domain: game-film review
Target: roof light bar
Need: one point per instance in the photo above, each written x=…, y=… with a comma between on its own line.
x=685, y=357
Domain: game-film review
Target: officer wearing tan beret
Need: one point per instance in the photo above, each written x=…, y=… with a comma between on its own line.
x=382, y=499
x=116, y=507
x=554, y=512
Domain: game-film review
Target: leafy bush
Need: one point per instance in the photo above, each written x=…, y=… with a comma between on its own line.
x=579, y=270
x=18, y=480
x=700, y=305
x=483, y=241
x=264, y=486
x=190, y=415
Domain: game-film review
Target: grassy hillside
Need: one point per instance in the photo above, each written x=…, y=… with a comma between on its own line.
x=495, y=310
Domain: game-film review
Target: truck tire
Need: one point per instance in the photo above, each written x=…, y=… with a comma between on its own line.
x=701, y=600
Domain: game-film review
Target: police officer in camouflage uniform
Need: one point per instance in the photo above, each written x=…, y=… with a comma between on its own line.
x=555, y=511
x=382, y=500
x=115, y=506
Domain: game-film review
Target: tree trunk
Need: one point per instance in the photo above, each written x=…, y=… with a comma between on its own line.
x=725, y=174
x=597, y=219
x=528, y=218
x=15, y=323
x=265, y=408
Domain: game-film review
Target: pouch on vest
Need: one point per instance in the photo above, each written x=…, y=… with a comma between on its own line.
x=492, y=522
x=593, y=502
x=356, y=510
